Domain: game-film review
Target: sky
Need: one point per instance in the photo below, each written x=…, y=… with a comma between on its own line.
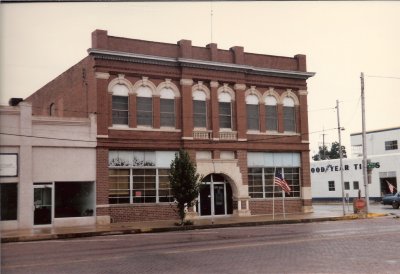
x=341, y=39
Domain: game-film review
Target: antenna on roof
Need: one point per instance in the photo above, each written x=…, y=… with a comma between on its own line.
x=211, y=7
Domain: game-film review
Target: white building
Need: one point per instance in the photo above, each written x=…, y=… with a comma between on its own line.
x=382, y=149
x=47, y=169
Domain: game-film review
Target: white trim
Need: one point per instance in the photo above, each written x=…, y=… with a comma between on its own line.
x=102, y=75
x=144, y=128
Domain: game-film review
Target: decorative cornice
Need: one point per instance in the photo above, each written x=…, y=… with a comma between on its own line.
x=185, y=62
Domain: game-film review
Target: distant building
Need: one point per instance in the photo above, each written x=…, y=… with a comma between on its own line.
x=47, y=169
x=239, y=115
x=382, y=151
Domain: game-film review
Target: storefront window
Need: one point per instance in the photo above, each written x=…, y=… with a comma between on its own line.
x=139, y=176
x=9, y=201
x=262, y=167
x=74, y=199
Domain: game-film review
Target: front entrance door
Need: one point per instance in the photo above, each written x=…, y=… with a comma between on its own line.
x=215, y=196
x=42, y=198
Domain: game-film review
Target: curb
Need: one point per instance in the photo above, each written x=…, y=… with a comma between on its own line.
x=178, y=228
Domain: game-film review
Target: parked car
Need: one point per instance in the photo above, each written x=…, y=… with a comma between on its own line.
x=393, y=200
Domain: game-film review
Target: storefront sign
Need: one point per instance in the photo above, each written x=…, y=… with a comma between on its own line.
x=8, y=165
x=332, y=168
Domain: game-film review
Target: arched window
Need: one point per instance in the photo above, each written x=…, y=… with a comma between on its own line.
x=52, y=109
x=289, y=115
x=120, y=105
x=199, y=109
x=144, y=106
x=271, y=113
x=167, y=108
x=225, y=110
x=253, y=120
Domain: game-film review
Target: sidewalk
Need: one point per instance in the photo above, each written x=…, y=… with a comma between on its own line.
x=320, y=214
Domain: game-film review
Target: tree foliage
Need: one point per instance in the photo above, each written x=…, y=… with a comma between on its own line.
x=184, y=181
x=332, y=153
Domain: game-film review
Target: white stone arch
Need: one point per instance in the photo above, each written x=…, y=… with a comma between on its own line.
x=120, y=80
x=253, y=91
x=229, y=170
x=200, y=86
x=167, y=84
x=226, y=89
x=290, y=93
x=273, y=93
x=145, y=82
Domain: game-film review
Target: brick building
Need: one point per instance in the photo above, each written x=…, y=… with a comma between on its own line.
x=241, y=116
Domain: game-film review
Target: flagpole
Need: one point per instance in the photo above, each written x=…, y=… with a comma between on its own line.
x=283, y=204
x=273, y=195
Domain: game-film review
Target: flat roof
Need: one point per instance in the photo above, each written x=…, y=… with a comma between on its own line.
x=376, y=131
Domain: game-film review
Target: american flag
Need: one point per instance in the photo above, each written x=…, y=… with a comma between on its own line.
x=391, y=187
x=278, y=180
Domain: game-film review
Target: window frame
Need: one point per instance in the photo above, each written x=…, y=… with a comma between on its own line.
x=142, y=199
x=254, y=118
x=271, y=120
x=391, y=145
x=171, y=112
x=6, y=213
x=266, y=174
x=144, y=114
x=200, y=118
x=226, y=117
x=356, y=183
x=114, y=110
x=289, y=123
x=331, y=186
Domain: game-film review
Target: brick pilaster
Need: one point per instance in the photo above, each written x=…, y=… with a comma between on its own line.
x=281, y=127
x=156, y=112
x=303, y=115
x=103, y=106
x=187, y=108
x=241, y=122
x=214, y=109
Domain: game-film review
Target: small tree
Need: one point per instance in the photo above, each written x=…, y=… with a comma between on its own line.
x=323, y=154
x=333, y=153
x=184, y=181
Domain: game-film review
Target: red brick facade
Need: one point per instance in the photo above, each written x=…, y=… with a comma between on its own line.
x=85, y=88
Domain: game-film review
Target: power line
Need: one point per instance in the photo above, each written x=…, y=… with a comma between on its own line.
x=197, y=141
x=45, y=137
x=378, y=76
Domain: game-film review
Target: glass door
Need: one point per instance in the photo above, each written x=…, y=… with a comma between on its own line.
x=42, y=198
x=219, y=199
x=205, y=200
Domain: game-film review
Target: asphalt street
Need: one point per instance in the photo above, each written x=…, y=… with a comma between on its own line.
x=356, y=246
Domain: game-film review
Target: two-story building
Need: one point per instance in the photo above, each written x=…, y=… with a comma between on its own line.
x=241, y=116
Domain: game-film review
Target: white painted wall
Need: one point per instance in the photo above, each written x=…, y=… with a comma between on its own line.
x=52, y=164
x=319, y=178
x=376, y=142
x=65, y=151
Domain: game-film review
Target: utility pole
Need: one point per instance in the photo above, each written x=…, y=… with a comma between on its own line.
x=340, y=155
x=364, y=144
x=323, y=144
